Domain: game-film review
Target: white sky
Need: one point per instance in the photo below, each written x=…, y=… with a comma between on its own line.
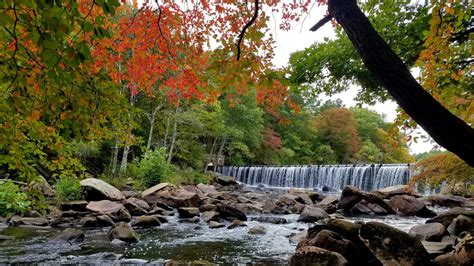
x=299, y=38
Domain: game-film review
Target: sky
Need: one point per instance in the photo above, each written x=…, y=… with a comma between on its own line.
x=299, y=38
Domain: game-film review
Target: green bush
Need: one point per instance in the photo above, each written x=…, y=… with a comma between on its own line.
x=188, y=177
x=153, y=168
x=12, y=200
x=68, y=188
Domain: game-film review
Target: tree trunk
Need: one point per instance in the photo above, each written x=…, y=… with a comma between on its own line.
x=113, y=163
x=173, y=137
x=445, y=128
x=123, y=165
x=219, y=153
x=150, y=134
x=211, y=154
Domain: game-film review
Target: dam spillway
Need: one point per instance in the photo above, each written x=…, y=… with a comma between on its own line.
x=367, y=176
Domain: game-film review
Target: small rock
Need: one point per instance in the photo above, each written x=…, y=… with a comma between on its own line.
x=210, y=216
x=329, y=199
x=70, y=235
x=33, y=221
x=270, y=219
x=4, y=237
x=257, y=230
x=235, y=224
x=123, y=231
x=224, y=180
x=118, y=242
x=116, y=211
x=437, y=248
x=213, y=225
x=76, y=205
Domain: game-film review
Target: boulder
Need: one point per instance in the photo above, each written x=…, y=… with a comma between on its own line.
x=123, y=231
x=76, y=205
x=207, y=207
x=146, y=221
x=210, y=216
x=461, y=224
x=208, y=190
x=188, y=212
x=328, y=189
x=463, y=254
x=410, y=206
x=257, y=230
x=437, y=248
x=270, y=219
x=312, y=214
x=351, y=195
x=154, y=189
x=28, y=221
x=392, y=246
x=230, y=213
x=333, y=241
x=317, y=256
x=96, y=189
x=428, y=232
x=116, y=211
x=61, y=222
x=389, y=192
x=224, y=180
x=235, y=224
x=138, y=203
x=329, y=199
x=174, y=197
x=447, y=217
x=214, y=225
x=448, y=201
x=70, y=235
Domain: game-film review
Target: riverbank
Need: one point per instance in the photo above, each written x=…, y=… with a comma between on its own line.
x=227, y=223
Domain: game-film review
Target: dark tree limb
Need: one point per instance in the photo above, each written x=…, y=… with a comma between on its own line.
x=244, y=29
x=445, y=128
x=321, y=23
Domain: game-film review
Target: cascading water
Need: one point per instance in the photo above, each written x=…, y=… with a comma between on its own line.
x=367, y=177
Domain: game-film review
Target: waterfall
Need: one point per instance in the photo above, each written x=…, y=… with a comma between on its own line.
x=367, y=176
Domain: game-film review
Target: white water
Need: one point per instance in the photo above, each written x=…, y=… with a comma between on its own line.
x=367, y=177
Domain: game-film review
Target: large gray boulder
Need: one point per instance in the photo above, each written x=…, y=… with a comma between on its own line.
x=312, y=214
x=317, y=256
x=410, y=206
x=96, y=189
x=146, y=221
x=449, y=201
x=429, y=232
x=351, y=195
x=447, y=217
x=461, y=224
x=394, y=191
x=392, y=246
x=70, y=235
x=123, y=231
x=116, y=211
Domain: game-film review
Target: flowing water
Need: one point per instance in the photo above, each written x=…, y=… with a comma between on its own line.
x=367, y=177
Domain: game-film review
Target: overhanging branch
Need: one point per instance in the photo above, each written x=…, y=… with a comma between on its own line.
x=244, y=29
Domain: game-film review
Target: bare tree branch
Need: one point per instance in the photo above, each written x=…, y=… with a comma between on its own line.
x=244, y=29
x=321, y=23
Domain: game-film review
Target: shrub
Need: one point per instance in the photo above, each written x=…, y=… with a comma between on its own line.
x=68, y=188
x=153, y=168
x=12, y=200
x=188, y=177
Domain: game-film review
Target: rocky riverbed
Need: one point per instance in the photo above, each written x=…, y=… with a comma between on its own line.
x=227, y=223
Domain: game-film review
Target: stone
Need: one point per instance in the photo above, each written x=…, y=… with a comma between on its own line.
x=351, y=195
x=96, y=189
x=333, y=241
x=317, y=256
x=392, y=246
x=4, y=237
x=123, y=231
x=447, y=217
x=161, y=218
x=296, y=238
x=448, y=201
x=70, y=235
x=210, y=216
x=389, y=192
x=214, y=225
x=224, y=180
x=136, y=207
x=329, y=199
x=33, y=221
x=270, y=219
x=129, y=194
x=230, y=213
x=328, y=189
x=139, y=203
x=312, y=214
x=410, y=206
x=437, y=248
x=428, y=232
x=76, y=205
x=146, y=221
x=174, y=197
x=104, y=220
x=257, y=230
x=207, y=207
x=188, y=212
x=235, y=224
x=154, y=189
x=460, y=224
x=116, y=211
x=463, y=254
x=208, y=190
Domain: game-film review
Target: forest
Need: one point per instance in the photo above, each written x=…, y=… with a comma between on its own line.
x=164, y=91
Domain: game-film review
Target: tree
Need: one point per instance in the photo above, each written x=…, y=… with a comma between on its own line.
x=444, y=127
